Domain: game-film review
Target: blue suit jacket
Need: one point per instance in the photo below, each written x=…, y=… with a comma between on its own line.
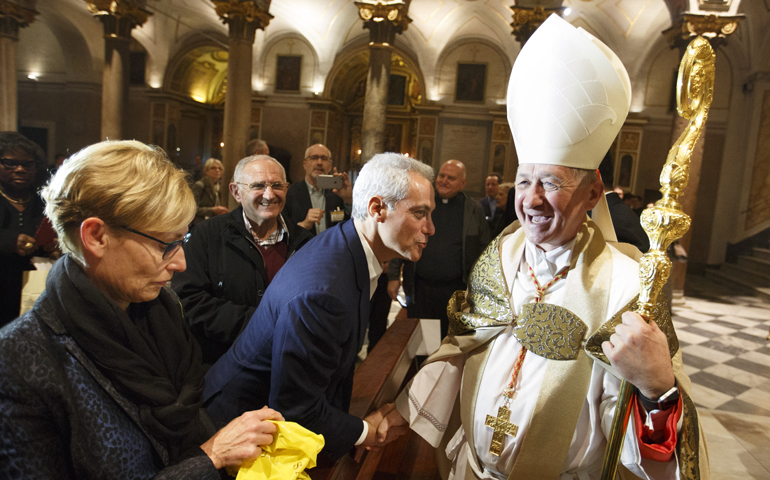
x=298, y=352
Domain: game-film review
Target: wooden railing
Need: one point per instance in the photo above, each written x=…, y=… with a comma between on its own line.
x=377, y=381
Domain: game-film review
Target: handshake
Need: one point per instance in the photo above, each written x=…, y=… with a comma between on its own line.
x=385, y=425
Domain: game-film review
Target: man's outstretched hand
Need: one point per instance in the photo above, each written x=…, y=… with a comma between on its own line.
x=385, y=425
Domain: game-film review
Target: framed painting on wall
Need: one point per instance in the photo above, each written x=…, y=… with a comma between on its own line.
x=287, y=73
x=471, y=82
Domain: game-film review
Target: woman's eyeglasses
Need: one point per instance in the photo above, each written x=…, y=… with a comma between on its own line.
x=171, y=247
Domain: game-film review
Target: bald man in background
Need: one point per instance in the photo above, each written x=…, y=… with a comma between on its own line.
x=461, y=235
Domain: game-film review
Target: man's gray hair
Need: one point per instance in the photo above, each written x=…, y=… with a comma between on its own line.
x=386, y=175
x=256, y=158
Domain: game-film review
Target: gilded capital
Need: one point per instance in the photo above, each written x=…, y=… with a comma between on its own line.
x=13, y=17
x=384, y=19
x=119, y=17
x=714, y=28
x=528, y=19
x=243, y=17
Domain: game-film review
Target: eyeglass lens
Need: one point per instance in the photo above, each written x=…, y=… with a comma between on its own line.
x=172, y=247
x=261, y=186
x=319, y=157
x=14, y=164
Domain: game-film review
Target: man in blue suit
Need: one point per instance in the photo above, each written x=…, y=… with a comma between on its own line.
x=297, y=354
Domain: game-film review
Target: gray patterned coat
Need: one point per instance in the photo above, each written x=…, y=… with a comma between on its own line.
x=61, y=418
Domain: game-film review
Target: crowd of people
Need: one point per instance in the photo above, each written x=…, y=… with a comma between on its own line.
x=158, y=350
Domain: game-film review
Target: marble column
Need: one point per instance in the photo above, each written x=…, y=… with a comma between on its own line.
x=243, y=18
x=384, y=21
x=118, y=18
x=715, y=29
x=12, y=17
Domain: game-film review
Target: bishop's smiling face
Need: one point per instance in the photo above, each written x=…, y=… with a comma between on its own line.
x=551, y=204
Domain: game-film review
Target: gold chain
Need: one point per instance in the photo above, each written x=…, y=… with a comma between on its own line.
x=13, y=200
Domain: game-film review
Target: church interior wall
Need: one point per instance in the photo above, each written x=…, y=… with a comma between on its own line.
x=472, y=51
x=65, y=43
x=73, y=108
x=290, y=45
x=285, y=125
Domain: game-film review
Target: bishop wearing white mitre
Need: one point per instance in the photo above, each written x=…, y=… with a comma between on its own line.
x=538, y=342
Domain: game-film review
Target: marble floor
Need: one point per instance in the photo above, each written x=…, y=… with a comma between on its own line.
x=722, y=331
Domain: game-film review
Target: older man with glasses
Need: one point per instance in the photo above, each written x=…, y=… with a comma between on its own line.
x=314, y=208
x=232, y=258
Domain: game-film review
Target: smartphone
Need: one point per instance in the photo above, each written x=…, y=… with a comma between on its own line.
x=329, y=181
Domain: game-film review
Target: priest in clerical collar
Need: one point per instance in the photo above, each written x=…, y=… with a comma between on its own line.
x=540, y=340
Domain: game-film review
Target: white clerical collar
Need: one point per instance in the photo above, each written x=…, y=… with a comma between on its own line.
x=548, y=264
x=375, y=268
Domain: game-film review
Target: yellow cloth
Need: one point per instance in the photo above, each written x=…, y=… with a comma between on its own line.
x=294, y=449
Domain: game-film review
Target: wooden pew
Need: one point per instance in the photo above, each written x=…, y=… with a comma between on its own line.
x=377, y=381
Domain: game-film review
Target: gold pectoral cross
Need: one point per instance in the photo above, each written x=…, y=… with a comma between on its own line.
x=502, y=427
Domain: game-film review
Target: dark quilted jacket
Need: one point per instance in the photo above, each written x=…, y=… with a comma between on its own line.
x=61, y=418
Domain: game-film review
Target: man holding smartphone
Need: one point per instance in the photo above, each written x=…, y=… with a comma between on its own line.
x=313, y=204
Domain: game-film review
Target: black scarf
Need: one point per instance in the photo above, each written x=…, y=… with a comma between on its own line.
x=147, y=353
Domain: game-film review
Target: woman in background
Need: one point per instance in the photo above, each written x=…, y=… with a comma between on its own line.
x=206, y=191
x=22, y=171
x=102, y=378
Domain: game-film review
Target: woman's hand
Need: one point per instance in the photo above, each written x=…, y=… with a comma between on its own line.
x=25, y=245
x=242, y=438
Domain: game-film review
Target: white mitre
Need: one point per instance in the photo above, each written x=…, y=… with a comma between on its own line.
x=568, y=97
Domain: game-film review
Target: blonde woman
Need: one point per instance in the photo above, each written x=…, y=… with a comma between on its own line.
x=102, y=379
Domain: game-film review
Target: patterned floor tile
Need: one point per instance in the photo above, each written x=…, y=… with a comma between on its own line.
x=690, y=338
x=757, y=358
x=713, y=327
x=680, y=322
x=737, y=375
x=764, y=350
x=751, y=367
x=736, y=405
x=690, y=371
x=719, y=345
x=696, y=361
x=755, y=396
x=719, y=384
x=707, y=353
x=698, y=330
x=743, y=322
x=751, y=338
x=708, y=397
x=692, y=315
x=760, y=333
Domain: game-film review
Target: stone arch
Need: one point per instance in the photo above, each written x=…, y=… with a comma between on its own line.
x=343, y=83
x=198, y=70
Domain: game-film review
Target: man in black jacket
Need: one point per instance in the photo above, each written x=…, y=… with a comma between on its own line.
x=232, y=258
x=311, y=207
